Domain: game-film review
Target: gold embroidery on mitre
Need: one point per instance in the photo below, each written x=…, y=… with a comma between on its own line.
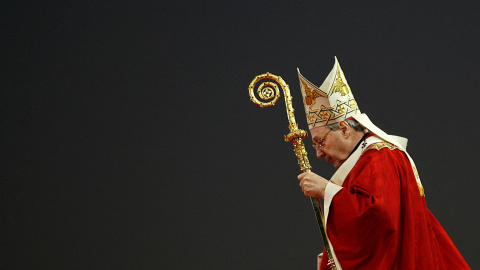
x=345, y=104
x=311, y=94
x=353, y=104
x=339, y=86
x=341, y=109
x=345, y=108
x=323, y=116
x=326, y=114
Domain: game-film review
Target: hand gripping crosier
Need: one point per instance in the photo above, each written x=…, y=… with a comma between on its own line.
x=268, y=91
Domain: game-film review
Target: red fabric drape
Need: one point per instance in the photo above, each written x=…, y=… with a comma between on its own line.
x=380, y=221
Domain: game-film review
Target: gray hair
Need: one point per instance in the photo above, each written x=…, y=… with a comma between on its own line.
x=351, y=122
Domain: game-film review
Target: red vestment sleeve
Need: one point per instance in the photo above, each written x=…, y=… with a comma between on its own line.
x=379, y=220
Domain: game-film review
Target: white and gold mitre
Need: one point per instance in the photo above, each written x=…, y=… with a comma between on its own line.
x=331, y=103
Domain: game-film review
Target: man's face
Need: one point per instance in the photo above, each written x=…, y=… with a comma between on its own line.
x=334, y=145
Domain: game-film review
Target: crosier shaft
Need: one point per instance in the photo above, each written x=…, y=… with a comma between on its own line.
x=295, y=136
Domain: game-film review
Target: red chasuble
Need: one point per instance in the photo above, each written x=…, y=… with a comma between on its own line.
x=379, y=220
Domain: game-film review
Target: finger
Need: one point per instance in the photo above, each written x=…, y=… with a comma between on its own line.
x=303, y=182
x=303, y=186
x=301, y=176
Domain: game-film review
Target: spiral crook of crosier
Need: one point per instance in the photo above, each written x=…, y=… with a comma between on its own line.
x=267, y=91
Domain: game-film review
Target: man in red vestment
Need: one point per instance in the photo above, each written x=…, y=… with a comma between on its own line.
x=375, y=210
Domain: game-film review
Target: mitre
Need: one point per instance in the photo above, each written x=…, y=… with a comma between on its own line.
x=330, y=103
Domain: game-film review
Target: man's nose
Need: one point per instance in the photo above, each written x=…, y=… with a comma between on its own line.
x=320, y=153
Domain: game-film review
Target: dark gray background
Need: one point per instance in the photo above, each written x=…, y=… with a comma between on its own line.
x=129, y=141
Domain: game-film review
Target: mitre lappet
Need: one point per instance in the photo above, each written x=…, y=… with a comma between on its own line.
x=330, y=103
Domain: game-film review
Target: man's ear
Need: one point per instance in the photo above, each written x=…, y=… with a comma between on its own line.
x=344, y=127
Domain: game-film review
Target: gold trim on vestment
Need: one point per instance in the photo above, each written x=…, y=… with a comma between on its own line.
x=381, y=145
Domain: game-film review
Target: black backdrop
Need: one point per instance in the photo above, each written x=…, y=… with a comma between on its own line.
x=129, y=141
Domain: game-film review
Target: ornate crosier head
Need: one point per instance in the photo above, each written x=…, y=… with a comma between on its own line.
x=330, y=103
x=267, y=90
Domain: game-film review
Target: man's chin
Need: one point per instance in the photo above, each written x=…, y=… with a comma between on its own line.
x=335, y=164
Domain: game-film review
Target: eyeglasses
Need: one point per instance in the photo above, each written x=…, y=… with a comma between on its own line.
x=320, y=142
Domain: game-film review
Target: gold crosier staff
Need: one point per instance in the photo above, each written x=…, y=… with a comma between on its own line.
x=296, y=136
